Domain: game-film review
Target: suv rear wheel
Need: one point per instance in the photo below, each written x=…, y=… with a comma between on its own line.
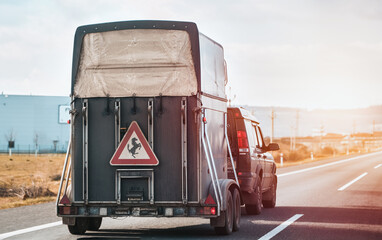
x=255, y=208
x=270, y=196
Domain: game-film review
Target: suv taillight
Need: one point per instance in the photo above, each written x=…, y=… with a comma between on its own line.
x=242, y=141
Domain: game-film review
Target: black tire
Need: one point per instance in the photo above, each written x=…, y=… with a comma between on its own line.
x=236, y=210
x=228, y=224
x=80, y=227
x=255, y=208
x=272, y=194
x=94, y=223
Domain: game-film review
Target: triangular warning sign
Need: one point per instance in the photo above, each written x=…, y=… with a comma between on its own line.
x=134, y=149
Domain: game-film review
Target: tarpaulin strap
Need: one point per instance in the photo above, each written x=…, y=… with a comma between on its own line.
x=134, y=109
x=160, y=104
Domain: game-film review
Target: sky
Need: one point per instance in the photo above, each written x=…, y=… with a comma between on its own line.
x=306, y=54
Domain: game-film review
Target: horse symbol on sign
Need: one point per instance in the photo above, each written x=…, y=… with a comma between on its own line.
x=135, y=146
x=134, y=149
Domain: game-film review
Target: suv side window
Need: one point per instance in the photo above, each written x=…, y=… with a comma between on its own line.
x=255, y=135
x=251, y=135
x=259, y=137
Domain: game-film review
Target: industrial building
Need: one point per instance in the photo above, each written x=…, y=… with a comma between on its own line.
x=34, y=123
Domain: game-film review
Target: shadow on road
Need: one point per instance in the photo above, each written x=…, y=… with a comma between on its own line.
x=195, y=231
x=316, y=223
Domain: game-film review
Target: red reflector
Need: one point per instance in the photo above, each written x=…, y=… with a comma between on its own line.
x=210, y=200
x=68, y=121
x=65, y=200
x=204, y=119
x=213, y=210
x=237, y=115
x=239, y=173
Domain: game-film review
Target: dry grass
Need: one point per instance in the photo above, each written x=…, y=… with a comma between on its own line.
x=26, y=179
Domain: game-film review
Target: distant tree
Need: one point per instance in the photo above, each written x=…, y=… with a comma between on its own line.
x=35, y=140
x=10, y=135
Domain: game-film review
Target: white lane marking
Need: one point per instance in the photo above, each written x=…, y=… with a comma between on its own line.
x=378, y=166
x=31, y=229
x=281, y=227
x=352, y=181
x=326, y=165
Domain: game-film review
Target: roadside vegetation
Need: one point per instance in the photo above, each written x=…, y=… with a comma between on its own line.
x=28, y=179
x=303, y=154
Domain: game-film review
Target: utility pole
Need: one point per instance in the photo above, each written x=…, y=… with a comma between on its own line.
x=297, y=121
x=296, y=129
x=373, y=127
x=292, y=138
x=321, y=133
x=272, y=124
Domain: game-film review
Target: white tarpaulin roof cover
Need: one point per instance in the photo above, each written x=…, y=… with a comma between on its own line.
x=144, y=62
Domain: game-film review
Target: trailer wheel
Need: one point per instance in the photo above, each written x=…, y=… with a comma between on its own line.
x=255, y=208
x=94, y=223
x=79, y=227
x=228, y=217
x=236, y=210
x=271, y=203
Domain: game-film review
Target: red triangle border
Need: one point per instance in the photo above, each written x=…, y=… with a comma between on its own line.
x=152, y=161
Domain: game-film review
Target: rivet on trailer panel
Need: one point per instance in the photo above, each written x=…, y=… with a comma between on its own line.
x=96, y=28
x=185, y=26
x=173, y=25
x=84, y=31
x=115, y=27
x=134, y=26
x=153, y=26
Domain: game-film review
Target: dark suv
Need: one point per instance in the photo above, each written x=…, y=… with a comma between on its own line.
x=255, y=166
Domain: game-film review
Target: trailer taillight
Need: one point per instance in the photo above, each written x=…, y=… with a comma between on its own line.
x=213, y=210
x=242, y=141
x=67, y=210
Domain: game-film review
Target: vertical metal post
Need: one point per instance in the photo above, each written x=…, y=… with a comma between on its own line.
x=212, y=161
x=85, y=146
x=218, y=200
x=67, y=177
x=63, y=173
x=150, y=122
x=117, y=122
x=183, y=128
x=229, y=148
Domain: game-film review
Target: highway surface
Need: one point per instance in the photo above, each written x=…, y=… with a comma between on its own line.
x=338, y=198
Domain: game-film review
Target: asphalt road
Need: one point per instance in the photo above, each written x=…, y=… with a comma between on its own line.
x=333, y=199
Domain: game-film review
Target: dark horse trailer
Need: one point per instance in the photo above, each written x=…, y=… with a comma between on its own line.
x=148, y=127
